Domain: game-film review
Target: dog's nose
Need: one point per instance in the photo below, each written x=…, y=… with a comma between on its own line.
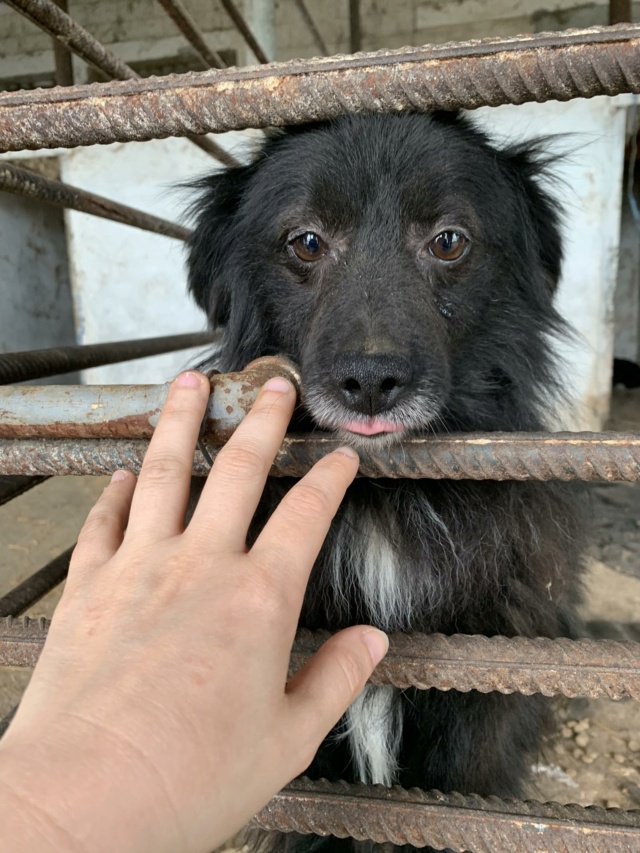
x=370, y=383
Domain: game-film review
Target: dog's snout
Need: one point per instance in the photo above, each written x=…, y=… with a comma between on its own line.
x=370, y=383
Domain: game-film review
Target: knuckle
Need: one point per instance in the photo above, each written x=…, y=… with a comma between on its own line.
x=309, y=501
x=240, y=461
x=161, y=467
x=98, y=521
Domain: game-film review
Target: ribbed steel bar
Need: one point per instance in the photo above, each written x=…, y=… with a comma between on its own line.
x=54, y=21
x=454, y=821
x=24, y=182
x=460, y=662
x=606, y=457
x=244, y=30
x=6, y=720
x=620, y=11
x=35, y=587
x=560, y=66
x=176, y=10
x=311, y=26
x=39, y=363
x=12, y=487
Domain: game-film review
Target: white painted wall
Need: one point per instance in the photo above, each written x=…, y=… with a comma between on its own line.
x=588, y=185
x=36, y=309
x=129, y=283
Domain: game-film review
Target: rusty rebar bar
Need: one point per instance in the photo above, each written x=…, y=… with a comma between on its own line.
x=311, y=26
x=36, y=586
x=183, y=20
x=593, y=457
x=560, y=66
x=244, y=30
x=40, y=363
x=620, y=11
x=54, y=21
x=561, y=667
x=454, y=821
x=29, y=184
x=13, y=487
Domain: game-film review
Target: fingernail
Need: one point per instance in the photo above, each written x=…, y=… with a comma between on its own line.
x=189, y=380
x=377, y=642
x=119, y=475
x=278, y=383
x=347, y=451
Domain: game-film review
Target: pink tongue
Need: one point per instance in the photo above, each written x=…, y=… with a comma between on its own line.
x=371, y=427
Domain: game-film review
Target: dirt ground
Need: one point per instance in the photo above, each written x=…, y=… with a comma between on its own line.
x=595, y=755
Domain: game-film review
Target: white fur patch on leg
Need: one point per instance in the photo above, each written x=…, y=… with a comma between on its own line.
x=374, y=730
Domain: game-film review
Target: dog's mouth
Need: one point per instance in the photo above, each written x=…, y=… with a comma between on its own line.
x=372, y=426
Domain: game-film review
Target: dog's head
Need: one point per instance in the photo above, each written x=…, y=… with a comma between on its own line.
x=402, y=261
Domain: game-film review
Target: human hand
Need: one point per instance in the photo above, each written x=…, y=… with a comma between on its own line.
x=159, y=717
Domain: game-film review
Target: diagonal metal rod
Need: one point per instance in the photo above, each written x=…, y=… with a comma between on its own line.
x=461, y=662
x=176, y=10
x=26, y=183
x=35, y=587
x=13, y=487
x=244, y=30
x=54, y=21
x=39, y=363
x=457, y=822
x=311, y=25
x=552, y=66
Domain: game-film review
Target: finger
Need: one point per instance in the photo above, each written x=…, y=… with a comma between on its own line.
x=160, y=499
x=236, y=482
x=103, y=531
x=320, y=693
x=291, y=540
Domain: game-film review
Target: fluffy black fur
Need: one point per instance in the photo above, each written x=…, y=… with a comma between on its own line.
x=472, y=340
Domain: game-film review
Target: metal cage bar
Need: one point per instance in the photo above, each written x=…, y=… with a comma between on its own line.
x=457, y=822
x=176, y=10
x=25, y=182
x=561, y=66
x=40, y=363
x=460, y=662
x=32, y=589
x=13, y=487
x=243, y=28
x=54, y=21
x=311, y=26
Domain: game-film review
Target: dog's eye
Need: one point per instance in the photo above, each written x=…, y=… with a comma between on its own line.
x=309, y=246
x=448, y=246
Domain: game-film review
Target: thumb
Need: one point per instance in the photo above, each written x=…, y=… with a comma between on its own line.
x=323, y=689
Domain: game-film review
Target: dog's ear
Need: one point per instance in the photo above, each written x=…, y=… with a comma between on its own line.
x=214, y=212
x=529, y=164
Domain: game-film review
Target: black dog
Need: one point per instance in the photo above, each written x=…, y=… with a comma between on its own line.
x=408, y=267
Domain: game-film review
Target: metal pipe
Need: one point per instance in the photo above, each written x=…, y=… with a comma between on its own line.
x=560, y=66
x=243, y=28
x=454, y=821
x=35, y=587
x=313, y=29
x=24, y=182
x=189, y=29
x=131, y=411
x=13, y=487
x=39, y=363
x=355, y=31
x=54, y=21
x=460, y=662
